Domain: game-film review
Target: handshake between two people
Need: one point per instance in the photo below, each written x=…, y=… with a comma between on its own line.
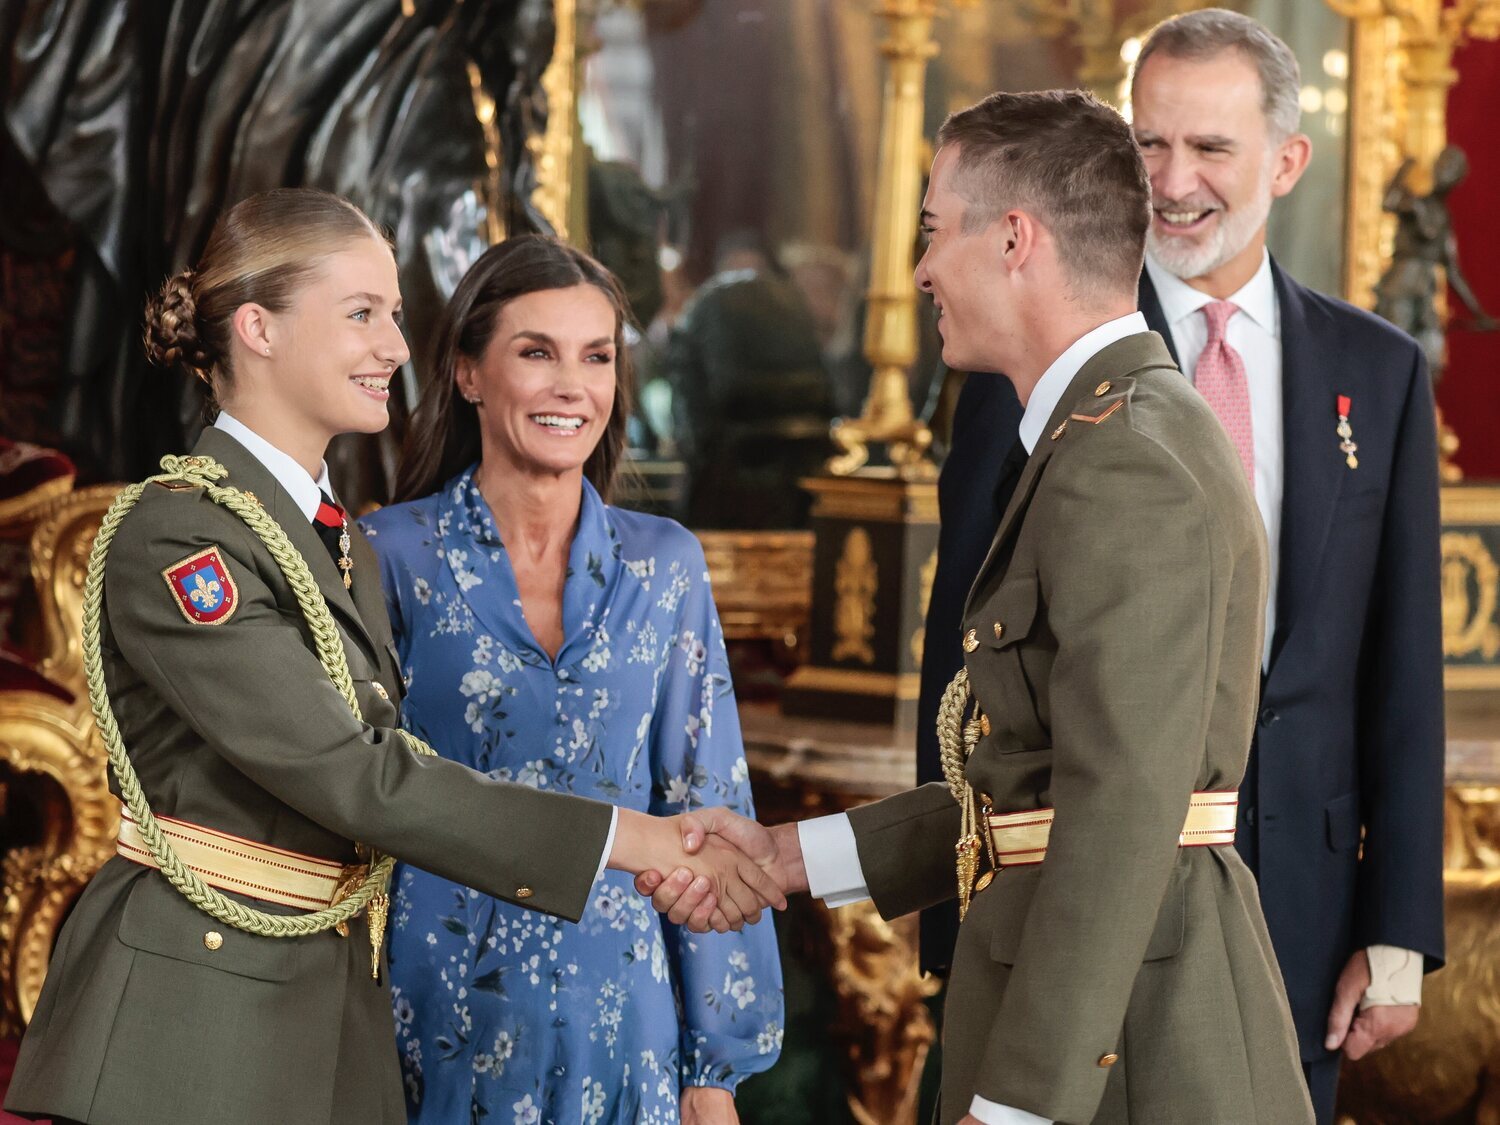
x=711, y=869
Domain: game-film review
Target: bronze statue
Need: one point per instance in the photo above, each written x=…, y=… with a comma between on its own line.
x=1406, y=294
x=141, y=120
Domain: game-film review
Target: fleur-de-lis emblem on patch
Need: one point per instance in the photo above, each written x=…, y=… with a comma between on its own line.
x=203, y=587
x=204, y=594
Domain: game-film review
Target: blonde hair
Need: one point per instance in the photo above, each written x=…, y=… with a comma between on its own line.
x=262, y=251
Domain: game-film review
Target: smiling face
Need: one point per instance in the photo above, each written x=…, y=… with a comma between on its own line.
x=545, y=384
x=963, y=273
x=1214, y=164
x=335, y=348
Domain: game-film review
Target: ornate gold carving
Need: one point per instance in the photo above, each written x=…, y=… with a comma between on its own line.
x=924, y=599
x=1469, y=621
x=873, y=497
x=762, y=582
x=882, y=1015
x=1443, y=1071
x=856, y=578
x=1403, y=68
x=552, y=150
x=55, y=755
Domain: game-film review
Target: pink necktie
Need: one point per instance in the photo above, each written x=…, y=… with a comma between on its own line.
x=1220, y=378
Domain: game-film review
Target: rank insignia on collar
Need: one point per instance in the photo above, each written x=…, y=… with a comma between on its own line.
x=205, y=592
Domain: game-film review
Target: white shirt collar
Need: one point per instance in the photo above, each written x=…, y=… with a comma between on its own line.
x=1256, y=298
x=304, y=491
x=1055, y=380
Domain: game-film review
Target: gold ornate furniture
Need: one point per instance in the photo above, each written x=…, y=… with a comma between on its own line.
x=59, y=816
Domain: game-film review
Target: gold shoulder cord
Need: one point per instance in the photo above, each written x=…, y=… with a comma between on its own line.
x=956, y=741
x=203, y=472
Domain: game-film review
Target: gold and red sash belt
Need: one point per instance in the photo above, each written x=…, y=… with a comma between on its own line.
x=243, y=867
x=1021, y=838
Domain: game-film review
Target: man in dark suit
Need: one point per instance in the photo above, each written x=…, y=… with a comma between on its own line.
x=1341, y=807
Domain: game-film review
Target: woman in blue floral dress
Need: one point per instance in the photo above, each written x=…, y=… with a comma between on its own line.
x=550, y=639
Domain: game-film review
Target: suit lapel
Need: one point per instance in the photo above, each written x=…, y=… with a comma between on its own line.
x=1314, y=469
x=1118, y=360
x=248, y=474
x=1156, y=319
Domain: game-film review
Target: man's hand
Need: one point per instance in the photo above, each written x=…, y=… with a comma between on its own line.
x=1359, y=1033
x=708, y=1105
x=732, y=888
x=684, y=900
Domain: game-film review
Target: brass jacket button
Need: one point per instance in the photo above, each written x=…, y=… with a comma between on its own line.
x=380, y=691
x=984, y=881
x=1103, y=389
x=999, y=630
x=523, y=892
x=971, y=640
x=213, y=939
x=984, y=728
x=1108, y=1060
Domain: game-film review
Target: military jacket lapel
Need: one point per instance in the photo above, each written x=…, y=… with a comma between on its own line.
x=249, y=475
x=1121, y=359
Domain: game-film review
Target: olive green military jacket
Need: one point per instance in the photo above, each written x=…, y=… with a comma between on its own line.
x=1114, y=640
x=236, y=726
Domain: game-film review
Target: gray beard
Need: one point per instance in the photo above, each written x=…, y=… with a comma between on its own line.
x=1189, y=259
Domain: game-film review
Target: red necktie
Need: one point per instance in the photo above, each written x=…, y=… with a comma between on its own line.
x=1220, y=378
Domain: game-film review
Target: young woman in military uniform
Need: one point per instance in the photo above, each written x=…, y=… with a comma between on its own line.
x=220, y=967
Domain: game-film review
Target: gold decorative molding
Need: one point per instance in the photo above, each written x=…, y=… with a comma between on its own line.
x=884, y=1018
x=873, y=496
x=856, y=578
x=762, y=583
x=1469, y=626
x=552, y=151
x=1402, y=71
x=55, y=757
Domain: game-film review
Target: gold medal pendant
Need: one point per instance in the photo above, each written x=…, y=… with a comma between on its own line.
x=379, y=907
x=346, y=564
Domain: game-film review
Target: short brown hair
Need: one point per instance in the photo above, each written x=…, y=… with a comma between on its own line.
x=444, y=434
x=1069, y=159
x=261, y=251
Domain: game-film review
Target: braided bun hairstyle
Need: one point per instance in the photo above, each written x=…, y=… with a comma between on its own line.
x=262, y=251
x=171, y=334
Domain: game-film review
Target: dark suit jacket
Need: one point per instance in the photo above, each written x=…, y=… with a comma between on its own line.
x=1349, y=738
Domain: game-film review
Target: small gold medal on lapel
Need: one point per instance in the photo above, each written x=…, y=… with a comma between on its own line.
x=1346, y=434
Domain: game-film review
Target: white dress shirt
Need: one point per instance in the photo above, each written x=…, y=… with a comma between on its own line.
x=1255, y=332
x=306, y=493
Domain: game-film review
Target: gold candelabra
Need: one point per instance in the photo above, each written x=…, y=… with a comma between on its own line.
x=891, y=325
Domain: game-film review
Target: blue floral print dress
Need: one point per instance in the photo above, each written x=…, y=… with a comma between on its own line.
x=509, y=1015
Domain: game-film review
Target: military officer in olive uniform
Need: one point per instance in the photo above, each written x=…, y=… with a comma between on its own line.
x=152, y=1011
x=1113, y=966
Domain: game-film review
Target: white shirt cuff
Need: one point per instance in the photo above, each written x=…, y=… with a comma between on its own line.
x=1395, y=977
x=992, y=1114
x=831, y=857
x=609, y=843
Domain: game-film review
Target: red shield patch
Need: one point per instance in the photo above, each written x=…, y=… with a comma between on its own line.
x=205, y=592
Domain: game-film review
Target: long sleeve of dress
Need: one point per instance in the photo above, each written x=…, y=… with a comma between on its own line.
x=729, y=984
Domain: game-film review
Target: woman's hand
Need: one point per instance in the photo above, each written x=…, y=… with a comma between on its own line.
x=708, y=1105
x=737, y=885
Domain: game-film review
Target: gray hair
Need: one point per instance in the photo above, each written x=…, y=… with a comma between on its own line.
x=1210, y=31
